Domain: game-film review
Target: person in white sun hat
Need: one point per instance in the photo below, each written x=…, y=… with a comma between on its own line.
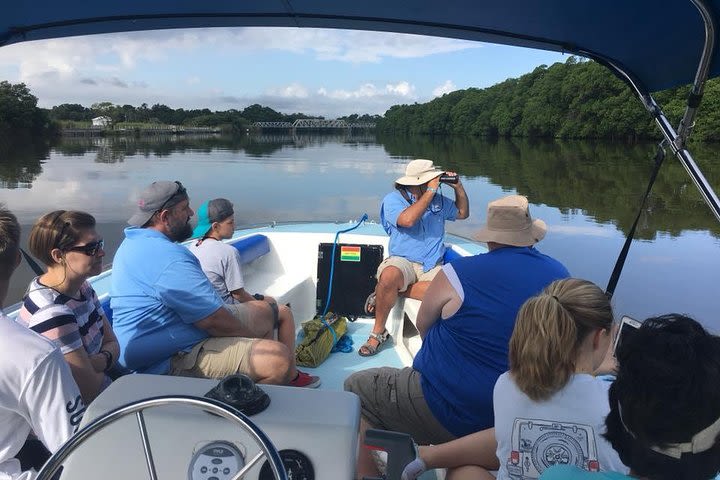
x=414, y=216
x=465, y=322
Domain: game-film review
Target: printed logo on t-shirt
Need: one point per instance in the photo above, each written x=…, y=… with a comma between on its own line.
x=539, y=444
x=76, y=410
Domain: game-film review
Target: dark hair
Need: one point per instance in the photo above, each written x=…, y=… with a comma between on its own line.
x=9, y=242
x=59, y=229
x=667, y=390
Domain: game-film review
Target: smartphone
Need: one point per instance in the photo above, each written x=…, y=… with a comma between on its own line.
x=627, y=326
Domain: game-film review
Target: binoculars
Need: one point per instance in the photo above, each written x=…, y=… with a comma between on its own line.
x=445, y=178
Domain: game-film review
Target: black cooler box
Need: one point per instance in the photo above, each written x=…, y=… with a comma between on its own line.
x=353, y=277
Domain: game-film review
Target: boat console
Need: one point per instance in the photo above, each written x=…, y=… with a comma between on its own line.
x=315, y=432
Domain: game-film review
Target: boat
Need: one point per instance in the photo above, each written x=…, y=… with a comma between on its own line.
x=650, y=45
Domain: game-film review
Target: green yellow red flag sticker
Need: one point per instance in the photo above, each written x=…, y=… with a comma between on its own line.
x=349, y=253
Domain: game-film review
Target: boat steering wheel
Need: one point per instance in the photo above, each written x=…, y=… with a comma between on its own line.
x=267, y=449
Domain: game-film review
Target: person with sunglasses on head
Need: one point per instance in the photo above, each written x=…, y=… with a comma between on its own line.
x=61, y=305
x=414, y=216
x=223, y=267
x=37, y=390
x=167, y=315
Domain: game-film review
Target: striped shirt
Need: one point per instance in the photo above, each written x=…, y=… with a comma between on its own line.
x=69, y=322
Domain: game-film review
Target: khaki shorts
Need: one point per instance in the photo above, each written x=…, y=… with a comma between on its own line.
x=242, y=313
x=392, y=399
x=215, y=357
x=412, y=272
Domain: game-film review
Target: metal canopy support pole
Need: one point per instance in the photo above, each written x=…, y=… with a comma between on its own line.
x=688, y=121
x=672, y=138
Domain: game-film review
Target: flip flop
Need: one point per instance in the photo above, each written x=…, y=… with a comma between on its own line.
x=370, y=304
x=369, y=349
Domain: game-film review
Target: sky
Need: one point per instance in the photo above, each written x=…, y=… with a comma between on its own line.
x=313, y=71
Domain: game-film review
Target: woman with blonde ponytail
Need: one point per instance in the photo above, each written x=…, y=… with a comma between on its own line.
x=549, y=408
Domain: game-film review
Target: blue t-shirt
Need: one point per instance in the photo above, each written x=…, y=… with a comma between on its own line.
x=568, y=472
x=423, y=242
x=462, y=356
x=158, y=292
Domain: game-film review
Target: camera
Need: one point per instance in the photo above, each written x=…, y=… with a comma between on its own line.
x=445, y=178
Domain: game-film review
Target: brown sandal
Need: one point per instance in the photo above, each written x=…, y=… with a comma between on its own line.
x=369, y=349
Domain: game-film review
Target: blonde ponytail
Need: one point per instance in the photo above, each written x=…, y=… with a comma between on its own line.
x=548, y=332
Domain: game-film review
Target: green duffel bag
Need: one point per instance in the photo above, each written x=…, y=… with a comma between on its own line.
x=319, y=340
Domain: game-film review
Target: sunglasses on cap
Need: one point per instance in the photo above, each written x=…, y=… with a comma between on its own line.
x=179, y=191
x=91, y=249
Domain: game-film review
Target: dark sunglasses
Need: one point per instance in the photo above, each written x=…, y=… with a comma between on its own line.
x=180, y=191
x=91, y=249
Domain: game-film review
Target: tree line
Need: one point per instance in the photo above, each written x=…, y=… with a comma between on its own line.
x=577, y=99
x=19, y=113
x=572, y=100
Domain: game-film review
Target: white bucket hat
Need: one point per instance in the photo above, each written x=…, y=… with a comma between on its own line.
x=509, y=223
x=419, y=172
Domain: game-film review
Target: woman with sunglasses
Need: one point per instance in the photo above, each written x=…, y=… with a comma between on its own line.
x=61, y=304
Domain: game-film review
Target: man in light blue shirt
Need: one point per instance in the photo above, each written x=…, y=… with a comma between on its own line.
x=168, y=317
x=414, y=216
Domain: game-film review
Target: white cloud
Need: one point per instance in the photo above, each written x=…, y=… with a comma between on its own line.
x=123, y=51
x=294, y=90
x=403, y=89
x=86, y=70
x=446, y=87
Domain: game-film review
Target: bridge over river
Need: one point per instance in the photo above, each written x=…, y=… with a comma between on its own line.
x=314, y=124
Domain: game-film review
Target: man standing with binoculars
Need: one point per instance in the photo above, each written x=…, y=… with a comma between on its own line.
x=414, y=216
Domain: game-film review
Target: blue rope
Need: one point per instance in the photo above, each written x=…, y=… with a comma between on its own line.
x=343, y=345
x=332, y=264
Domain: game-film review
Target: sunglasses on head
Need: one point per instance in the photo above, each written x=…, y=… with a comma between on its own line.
x=180, y=191
x=91, y=249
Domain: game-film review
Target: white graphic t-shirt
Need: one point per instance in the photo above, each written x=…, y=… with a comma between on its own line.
x=37, y=392
x=564, y=430
x=221, y=264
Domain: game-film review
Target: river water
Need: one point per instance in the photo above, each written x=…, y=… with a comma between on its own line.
x=587, y=192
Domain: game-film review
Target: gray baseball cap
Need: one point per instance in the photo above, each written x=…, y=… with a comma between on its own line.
x=210, y=212
x=154, y=198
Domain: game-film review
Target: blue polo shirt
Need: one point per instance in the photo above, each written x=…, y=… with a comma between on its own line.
x=462, y=356
x=423, y=242
x=158, y=292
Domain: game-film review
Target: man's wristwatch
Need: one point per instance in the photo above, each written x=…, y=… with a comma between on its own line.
x=259, y=296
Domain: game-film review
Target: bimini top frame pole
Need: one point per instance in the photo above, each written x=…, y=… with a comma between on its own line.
x=676, y=140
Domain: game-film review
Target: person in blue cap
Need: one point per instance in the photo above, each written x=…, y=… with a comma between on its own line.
x=222, y=265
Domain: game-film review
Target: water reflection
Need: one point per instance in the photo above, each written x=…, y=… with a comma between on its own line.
x=21, y=163
x=604, y=181
x=115, y=149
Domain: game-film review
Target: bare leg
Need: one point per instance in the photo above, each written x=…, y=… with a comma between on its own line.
x=416, y=290
x=271, y=362
x=286, y=328
x=386, y=292
x=366, y=466
x=469, y=472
